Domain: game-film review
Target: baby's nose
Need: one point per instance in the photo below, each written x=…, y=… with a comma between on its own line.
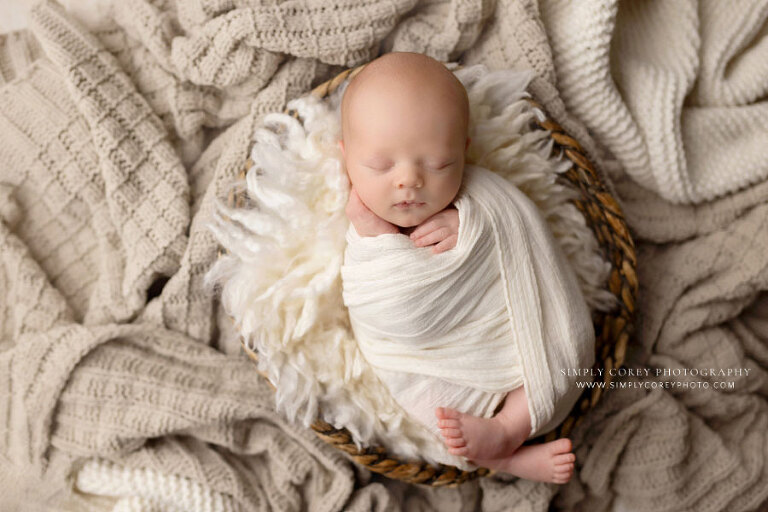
x=409, y=179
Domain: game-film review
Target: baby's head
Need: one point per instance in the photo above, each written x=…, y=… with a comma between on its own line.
x=405, y=120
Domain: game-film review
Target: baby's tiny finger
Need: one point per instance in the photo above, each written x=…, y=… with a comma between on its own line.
x=445, y=245
x=420, y=231
x=433, y=237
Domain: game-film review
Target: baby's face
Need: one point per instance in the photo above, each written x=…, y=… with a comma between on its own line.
x=404, y=154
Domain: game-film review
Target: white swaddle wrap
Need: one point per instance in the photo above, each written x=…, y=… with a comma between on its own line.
x=461, y=328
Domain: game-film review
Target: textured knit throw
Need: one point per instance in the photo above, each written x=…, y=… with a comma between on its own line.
x=500, y=310
x=110, y=171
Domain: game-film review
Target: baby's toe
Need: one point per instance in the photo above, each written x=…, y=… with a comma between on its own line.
x=565, y=458
x=456, y=442
x=458, y=451
x=563, y=445
x=448, y=424
x=450, y=413
x=450, y=432
x=565, y=471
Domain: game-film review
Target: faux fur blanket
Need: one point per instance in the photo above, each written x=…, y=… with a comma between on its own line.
x=120, y=384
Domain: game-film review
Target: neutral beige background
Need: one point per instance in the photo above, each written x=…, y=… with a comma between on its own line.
x=13, y=14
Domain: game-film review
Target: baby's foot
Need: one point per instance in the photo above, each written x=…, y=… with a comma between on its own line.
x=475, y=437
x=550, y=462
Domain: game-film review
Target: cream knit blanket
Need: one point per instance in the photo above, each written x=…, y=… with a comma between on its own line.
x=675, y=90
x=500, y=310
x=118, y=373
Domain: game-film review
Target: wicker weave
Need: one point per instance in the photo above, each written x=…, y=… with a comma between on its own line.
x=612, y=330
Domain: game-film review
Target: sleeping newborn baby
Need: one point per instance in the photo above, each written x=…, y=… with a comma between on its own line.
x=458, y=294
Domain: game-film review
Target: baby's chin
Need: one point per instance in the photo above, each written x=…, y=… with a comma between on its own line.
x=407, y=219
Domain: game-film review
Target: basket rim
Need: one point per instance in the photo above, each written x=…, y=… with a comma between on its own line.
x=606, y=219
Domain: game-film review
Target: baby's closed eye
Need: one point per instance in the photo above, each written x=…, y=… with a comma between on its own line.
x=378, y=167
x=440, y=165
x=384, y=166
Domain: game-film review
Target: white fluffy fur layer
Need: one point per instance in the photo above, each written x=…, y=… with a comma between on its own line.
x=280, y=280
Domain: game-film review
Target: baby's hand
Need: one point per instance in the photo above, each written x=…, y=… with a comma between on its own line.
x=365, y=221
x=442, y=229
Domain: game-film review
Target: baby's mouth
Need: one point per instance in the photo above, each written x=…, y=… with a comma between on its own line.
x=409, y=204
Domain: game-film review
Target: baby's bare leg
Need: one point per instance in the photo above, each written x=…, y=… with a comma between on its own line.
x=487, y=438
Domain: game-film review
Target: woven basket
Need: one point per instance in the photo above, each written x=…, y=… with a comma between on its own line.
x=612, y=329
